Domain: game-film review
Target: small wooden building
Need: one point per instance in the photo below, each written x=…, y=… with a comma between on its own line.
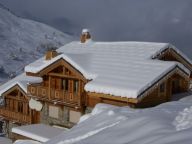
x=61, y=92
x=15, y=110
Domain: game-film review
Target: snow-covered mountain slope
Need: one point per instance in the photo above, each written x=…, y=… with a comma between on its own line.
x=23, y=41
x=169, y=123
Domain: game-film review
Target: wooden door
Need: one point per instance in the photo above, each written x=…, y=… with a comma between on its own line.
x=35, y=115
x=175, y=86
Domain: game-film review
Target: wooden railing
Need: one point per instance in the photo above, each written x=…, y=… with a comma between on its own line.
x=15, y=116
x=38, y=91
x=54, y=94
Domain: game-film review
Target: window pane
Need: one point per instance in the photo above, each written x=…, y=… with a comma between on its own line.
x=75, y=86
x=162, y=87
x=74, y=116
x=54, y=111
x=65, y=84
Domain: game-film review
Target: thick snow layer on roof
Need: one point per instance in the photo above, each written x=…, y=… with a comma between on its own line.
x=169, y=123
x=118, y=68
x=39, y=132
x=21, y=80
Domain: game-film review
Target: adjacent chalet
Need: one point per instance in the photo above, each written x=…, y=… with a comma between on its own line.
x=84, y=73
x=15, y=110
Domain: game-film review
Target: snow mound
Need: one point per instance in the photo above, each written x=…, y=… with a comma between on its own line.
x=119, y=125
x=184, y=119
x=99, y=108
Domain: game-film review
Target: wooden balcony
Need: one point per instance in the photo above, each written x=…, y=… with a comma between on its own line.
x=55, y=95
x=18, y=117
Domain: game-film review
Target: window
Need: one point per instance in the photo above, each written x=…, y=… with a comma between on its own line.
x=74, y=116
x=32, y=90
x=7, y=103
x=53, y=112
x=162, y=88
x=65, y=85
x=20, y=107
x=75, y=86
x=175, y=86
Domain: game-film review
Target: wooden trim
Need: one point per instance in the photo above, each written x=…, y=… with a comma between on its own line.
x=63, y=76
x=107, y=96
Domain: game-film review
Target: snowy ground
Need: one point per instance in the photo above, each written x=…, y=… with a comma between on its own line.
x=169, y=123
x=5, y=140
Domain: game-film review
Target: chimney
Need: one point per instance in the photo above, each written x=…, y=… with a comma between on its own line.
x=50, y=54
x=85, y=35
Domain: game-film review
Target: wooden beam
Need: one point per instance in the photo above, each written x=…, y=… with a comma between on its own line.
x=59, y=102
x=32, y=74
x=16, y=98
x=63, y=76
x=118, y=98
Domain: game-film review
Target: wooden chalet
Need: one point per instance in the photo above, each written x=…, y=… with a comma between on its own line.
x=15, y=110
x=82, y=74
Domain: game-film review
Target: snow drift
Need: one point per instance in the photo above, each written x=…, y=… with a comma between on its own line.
x=169, y=123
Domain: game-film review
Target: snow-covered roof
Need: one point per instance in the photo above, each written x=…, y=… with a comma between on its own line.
x=123, y=69
x=39, y=132
x=21, y=80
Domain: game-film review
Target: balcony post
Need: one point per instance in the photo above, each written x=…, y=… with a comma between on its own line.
x=49, y=88
x=79, y=93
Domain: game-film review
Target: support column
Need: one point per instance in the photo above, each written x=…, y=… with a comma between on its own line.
x=49, y=88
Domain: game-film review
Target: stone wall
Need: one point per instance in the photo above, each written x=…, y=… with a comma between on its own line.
x=63, y=116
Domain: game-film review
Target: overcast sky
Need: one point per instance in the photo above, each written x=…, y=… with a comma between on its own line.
x=137, y=20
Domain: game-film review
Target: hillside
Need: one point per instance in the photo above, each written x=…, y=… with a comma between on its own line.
x=22, y=41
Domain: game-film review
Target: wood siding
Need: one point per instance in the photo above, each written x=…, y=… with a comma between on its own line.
x=62, y=84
